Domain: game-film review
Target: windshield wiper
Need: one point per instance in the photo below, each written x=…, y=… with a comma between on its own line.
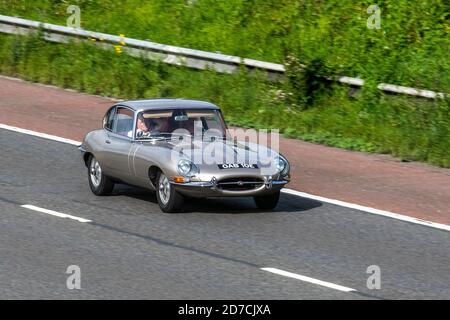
x=167, y=136
x=160, y=136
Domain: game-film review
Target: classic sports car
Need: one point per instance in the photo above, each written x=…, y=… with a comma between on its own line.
x=179, y=148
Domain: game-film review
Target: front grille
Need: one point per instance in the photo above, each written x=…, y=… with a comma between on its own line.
x=240, y=183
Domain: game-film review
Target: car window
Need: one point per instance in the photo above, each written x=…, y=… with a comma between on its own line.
x=108, y=121
x=123, y=120
x=213, y=122
x=195, y=121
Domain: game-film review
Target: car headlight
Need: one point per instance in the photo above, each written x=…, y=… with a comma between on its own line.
x=281, y=165
x=186, y=168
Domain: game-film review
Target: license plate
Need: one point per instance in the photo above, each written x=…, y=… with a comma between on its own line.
x=237, y=166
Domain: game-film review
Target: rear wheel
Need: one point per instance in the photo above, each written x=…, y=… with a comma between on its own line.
x=169, y=199
x=268, y=202
x=100, y=184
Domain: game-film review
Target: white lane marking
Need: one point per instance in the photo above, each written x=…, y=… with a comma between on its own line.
x=40, y=135
x=285, y=190
x=308, y=279
x=369, y=210
x=55, y=213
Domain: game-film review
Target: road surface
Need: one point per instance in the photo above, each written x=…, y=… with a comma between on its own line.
x=216, y=249
x=379, y=181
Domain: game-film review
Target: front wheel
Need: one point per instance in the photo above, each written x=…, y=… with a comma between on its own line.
x=268, y=202
x=100, y=184
x=169, y=199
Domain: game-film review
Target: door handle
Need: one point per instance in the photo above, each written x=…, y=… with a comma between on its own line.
x=108, y=141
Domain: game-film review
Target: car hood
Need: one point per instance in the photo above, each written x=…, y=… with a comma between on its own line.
x=207, y=155
x=220, y=151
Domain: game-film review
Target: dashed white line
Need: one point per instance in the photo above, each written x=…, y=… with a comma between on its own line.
x=308, y=279
x=55, y=213
x=368, y=209
x=285, y=190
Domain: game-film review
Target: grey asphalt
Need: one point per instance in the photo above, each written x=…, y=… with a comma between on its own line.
x=213, y=250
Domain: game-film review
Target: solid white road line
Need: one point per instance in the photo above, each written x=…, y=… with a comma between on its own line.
x=285, y=190
x=54, y=213
x=308, y=279
x=40, y=135
x=368, y=209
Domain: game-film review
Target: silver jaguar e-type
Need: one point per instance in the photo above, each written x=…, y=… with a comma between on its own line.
x=180, y=148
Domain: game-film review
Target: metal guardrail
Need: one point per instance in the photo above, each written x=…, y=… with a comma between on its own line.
x=196, y=59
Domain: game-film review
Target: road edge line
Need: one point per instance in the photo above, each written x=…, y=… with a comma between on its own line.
x=39, y=134
x=374, y=211
x=340, y=203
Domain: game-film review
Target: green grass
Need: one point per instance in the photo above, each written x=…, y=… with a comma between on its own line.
x=410, y=49
x=329, y=37
x=414, y=129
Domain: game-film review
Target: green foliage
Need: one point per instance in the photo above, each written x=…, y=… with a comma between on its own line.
x=410, y=49
x=313, y=38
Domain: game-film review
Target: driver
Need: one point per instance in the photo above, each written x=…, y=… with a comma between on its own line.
x=147, y=127
x=141, y=127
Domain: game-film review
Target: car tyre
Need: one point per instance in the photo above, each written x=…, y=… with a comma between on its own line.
x=169, y=200
x=100, y=184
x=267, y=202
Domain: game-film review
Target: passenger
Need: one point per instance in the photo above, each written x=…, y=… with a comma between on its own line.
x=159, y=125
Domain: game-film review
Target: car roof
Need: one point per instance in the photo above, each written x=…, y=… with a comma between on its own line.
x=161, y=104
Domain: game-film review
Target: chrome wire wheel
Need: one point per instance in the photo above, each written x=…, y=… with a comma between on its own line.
x=164, y=189
x=95, y=173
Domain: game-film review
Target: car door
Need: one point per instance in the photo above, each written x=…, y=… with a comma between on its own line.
x=118, y=142
x=102, y=142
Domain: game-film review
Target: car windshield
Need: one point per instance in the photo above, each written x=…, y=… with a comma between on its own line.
x=193, y=122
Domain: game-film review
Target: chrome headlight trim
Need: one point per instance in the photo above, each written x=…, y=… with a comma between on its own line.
x=282, y=165
x=187, y=168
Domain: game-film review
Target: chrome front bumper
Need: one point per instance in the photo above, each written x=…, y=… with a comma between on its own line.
x=213, y=188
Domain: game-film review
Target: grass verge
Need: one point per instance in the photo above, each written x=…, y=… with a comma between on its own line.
x=368, y=120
